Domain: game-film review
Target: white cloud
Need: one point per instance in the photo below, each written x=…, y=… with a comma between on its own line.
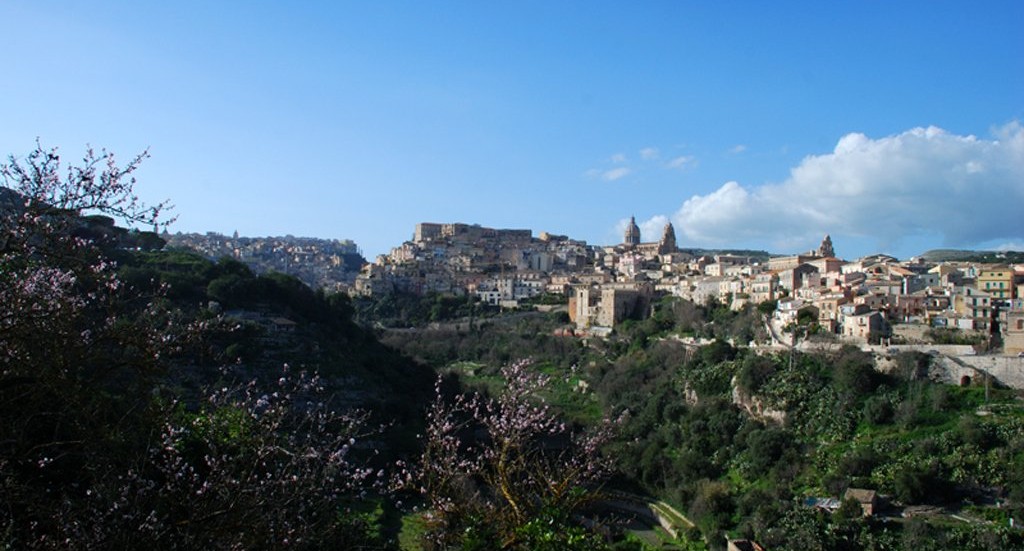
x=609, y=175
x=618, y=158
x=649, y=153
x=650, y=229
x=1012, y=246
x=737, y=149
x=924, y=181
x=684, y=161
x=615, y=174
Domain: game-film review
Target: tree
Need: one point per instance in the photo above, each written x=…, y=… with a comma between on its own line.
x=506, y=470
x=854, y=375
x=766, y=447
x=99, y=447
x=53, y=277
x=755, y=371
x=921, y=484
x=807, y=316
x=712, y=507
x=849, y=509
x=767, y=307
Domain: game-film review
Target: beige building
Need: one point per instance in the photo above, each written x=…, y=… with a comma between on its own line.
x=868, y=499
x=1013, y=334
x=828, y=265
x=782, y=263
x=666, y=245
x=800, y=276
x=765, y=287
x=997, y=281
x=969, y=302
x=607, y=305
x=867, y=327
x=828, y=307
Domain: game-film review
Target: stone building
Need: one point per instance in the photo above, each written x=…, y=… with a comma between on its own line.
x=667, y=244
x=825, y=249
x=867, y=499
x=632, y=237
x=997, y=281
x=608, y=304
x=1013, y=333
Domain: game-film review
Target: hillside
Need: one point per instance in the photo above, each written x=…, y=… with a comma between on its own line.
x=744, y=443
x=986, y=257
x=153, y=397
x=330, y=264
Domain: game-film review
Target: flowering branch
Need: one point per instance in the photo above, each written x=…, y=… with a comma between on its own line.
x=503, y=461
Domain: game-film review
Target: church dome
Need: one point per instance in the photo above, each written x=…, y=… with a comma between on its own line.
x=632, y=232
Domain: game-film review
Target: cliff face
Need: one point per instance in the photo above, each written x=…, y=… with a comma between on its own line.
x=755, y=406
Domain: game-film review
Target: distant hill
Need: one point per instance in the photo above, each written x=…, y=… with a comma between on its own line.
x=757, y=255
x=10, y=198
x=988, y=257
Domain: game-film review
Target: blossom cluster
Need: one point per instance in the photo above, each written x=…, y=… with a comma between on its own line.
x=503, y=459
x=94, y=452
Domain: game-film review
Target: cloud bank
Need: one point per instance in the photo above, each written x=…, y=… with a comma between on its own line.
x=925, y=181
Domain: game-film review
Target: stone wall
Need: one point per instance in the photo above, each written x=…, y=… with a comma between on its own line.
x=1007, y=370
x=952, y=363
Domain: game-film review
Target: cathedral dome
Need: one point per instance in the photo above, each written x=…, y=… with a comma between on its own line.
x=632, y=236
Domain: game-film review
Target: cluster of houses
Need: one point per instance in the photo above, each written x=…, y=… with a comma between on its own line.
x=604, y=285
x=500, y=267
x=330, y=264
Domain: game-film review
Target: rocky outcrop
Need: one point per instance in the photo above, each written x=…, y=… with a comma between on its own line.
x=755, y=406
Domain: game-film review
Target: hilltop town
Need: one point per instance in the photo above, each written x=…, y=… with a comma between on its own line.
x=858, y=300
x=329, y=264
x=727, y=434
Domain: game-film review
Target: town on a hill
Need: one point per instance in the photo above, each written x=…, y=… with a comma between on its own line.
x=859, y=300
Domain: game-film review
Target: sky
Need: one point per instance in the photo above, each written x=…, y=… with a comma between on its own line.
x=895, y=127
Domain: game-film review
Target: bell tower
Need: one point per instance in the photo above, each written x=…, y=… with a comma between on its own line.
x=667, y=244
x=825, y=249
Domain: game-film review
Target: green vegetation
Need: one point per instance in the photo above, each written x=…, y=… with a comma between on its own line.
x=152, y=398
x=757, y=255
x=846, y=425
x=944, y=335
x=404, y=310
x=984, y=257
x=814, y=426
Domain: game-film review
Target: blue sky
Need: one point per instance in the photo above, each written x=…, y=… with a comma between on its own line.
x=894, y=126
